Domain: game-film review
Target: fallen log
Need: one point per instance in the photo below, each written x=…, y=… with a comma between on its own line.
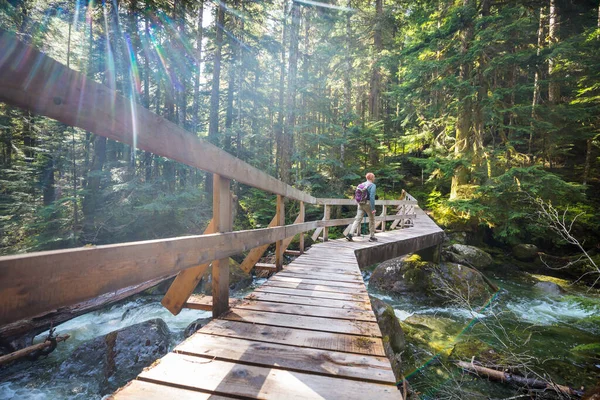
x=507, y=377
x=20, y=334
x=31, y=349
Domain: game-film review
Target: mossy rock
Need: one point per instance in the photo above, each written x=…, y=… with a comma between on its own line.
x=430, y=281
x=469, y=255
x=588, y=350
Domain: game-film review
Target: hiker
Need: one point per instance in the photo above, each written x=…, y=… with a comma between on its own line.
x=365, y=199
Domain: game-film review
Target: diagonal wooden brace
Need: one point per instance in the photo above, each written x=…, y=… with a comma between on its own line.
x=256, y=253
x=184, y=284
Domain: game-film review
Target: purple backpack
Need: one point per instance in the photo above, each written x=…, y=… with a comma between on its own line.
x=361, y=195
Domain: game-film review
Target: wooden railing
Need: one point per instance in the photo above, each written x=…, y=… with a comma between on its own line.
x=35, y=283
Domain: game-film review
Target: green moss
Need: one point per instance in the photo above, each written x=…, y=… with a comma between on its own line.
x=592, y=349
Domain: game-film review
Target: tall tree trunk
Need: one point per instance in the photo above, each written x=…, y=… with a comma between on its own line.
x=180, y=93
x=290, y=119
x=347, y=118
x=146, y=99
x=279, y=126
x=463, y=121
x=589, y=142
x=198, y=63
x=536, y=87
x=213, y=122
x=553, y=38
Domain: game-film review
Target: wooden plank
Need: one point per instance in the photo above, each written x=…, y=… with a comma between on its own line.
x=225, y=378
x=333, y=277
x=265, y=267
x=312, y=311
x=358, y=285
x=186, y=281
x=223, y=223
x=363, y=298
x=296, y=337
x=296, y=269
x=308, y=301
x=300, y=359
x=203, y=302
x=308, y=286
x=37, y=282
x=31, y=80
x=361, y=328
x=141, y=390
x=294, y=252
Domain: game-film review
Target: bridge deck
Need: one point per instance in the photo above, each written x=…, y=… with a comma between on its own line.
x=307, y=333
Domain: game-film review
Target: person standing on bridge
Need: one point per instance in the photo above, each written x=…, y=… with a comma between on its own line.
x=365, y=199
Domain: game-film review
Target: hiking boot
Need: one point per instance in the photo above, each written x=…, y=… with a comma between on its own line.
x=349, y=238
x=372, y=239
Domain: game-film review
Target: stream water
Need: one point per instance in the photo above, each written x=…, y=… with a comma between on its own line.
x=557, y=335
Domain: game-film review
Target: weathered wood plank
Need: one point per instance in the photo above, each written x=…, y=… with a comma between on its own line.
x=223, y=223
x=333, y=277
x=203, y=302
x=308, y=301
x=357, y=285
x=309, y=286
x=225, y=378
x=358, y=297
x=141, y=390
x=296, y=337
x=327, y=363
x=312, y=311
x=361, y=328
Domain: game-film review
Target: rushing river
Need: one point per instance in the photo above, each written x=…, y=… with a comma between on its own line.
x=547, y=330
x=555, y=336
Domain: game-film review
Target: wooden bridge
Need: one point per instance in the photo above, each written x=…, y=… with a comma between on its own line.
x=308, y=333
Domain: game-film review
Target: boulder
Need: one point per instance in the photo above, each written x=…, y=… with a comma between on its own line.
x=431, y=281
x=457, y=237
x=392, y=334
x=194, y=326
x=108, y=362
x=550, y=288
x=525, y=252
x=469, y=255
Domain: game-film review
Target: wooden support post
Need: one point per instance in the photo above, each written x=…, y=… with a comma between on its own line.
x=223, y=223
x=384, y=214
x=326, y=217
x=301, y=217
x=279, y=249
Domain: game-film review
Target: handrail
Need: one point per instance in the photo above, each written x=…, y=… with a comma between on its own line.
x=32, y=80
x=37, y=282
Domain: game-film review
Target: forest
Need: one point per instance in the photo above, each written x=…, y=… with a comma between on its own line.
x=464, y=104
x=486, y=111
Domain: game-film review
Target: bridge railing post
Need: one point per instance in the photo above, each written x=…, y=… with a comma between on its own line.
x=279, y=248
x=223, y=223
x=326, y=217
x=302, y=215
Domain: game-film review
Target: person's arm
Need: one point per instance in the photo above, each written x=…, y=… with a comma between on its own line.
x=372, y=196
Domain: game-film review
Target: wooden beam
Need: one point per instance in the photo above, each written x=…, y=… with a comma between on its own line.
x=256, y=253
x=280, y=215
x=301, y=217
x=37, y=282
x=30, y=349
x=33, y=81
x=326, y=217
x=223, y=223
x=186, y=281
x=352, y=202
